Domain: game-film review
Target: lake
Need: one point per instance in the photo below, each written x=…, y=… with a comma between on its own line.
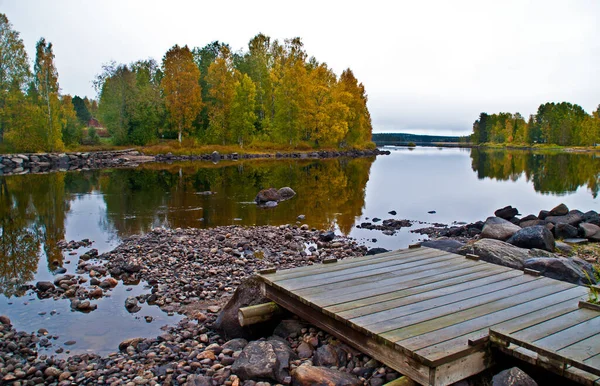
x=460, y=185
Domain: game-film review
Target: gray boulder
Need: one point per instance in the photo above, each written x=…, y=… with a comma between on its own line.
x=560, y=268
x=267, y=360
x=44, y=286
x=498, y=228
x=559, y=210
x=533, y=237
x=375, y=251
x=565, y=231
x=530, y=223
x=513, y=377
x=266, y=195
x=590, y=231
x=506, y=213
x=543, y=214
x=591, y=217
x=498, y=252
x=448, y=245
x=574, y=217
x=286, y=193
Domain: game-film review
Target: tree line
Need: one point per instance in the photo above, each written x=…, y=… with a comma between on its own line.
x=563, y=124
x=270, y=93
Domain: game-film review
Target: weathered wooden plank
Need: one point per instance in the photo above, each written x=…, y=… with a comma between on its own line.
x=387, y=268
x=354, y=262
x=401, y=361
x=555, y=325
x=570, y=335
x=582, y=349
x=391, y=285
x=473, y=286
x=419, y=304
x=454, y=339
x=421, y=322
x=593, y=361
x=461, y=368
x=363, y=303
x=343, y=285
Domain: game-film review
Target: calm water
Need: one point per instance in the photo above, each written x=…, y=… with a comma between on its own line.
x=36, y=211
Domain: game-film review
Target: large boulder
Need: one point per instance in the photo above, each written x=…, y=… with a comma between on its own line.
x=498, y=252
x=574, y=217
x=266, y=195
x=592, y=217
x=565, y=231
x=264, y=360
x=559, y=210
x=531, y=223
x=307, y=375
x=571, y=270
x=498, y=228
x=533, y=237
x=327, y=355
x=448, y=245
x=506, y=213
x=248, y=293
x=286, y=193
x=590, y=231
x=513, y=377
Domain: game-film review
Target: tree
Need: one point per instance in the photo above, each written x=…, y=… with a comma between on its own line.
x=71, y=125
x=14, y=68
x=221, y=89
x=117, y=89
x=181, y=88
x=243, y=117
x=359, y=119
x=46, y=82
x=83, y=114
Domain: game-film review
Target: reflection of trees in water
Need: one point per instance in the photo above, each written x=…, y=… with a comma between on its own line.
x=558, y=173
x=32, y=217
x=328, y=191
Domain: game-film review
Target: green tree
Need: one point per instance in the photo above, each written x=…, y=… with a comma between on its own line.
x=181, y=89
x=46, y=82
x=14, y=70
x=243, y=116
x=71, y=125
x=221, y=89
x=117, y=89
x=83, y=114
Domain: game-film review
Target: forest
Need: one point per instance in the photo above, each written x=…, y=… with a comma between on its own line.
x=562, y=124
x=272, y=93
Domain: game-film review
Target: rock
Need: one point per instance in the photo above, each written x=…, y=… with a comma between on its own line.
x=564, y=248
x=301, y=217
x=52, y=372
x=565, y=231
x=561, y=268
x=263, y=360
x=506, y=213
x=270, y=204
x=215, y=156
x=248, y=293
x=327, y=236
x=530, y=223
x=375, y=251
x=533, y=237
x=513, y=377
x=559, y=210
x=591, y=217
x=286, y=193
x=266, y=195
x=590, y=231
x=392, y=212
x=543, y=214
x=44, y=286
x=305, y=350
x=198, y=380
x=131, y=304
x=307, y=375
x=572, y=218
x=5, y=320
x=288, y=327
x=448, y=245
x=529, y=217
x=497, y=252
x=577, y=241
x=237, y=344
x=327, y=356
x=498, y=228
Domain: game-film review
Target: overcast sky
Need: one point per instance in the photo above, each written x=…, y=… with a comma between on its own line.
x=428, y=66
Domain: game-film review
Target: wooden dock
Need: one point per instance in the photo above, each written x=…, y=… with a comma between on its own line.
x=433, y=316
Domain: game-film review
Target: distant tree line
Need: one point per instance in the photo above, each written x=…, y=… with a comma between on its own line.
x=34, y=116
x=391, y=138
x=562, y=124
x=270, y=93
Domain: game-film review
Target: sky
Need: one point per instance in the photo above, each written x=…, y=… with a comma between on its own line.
x=429, y=67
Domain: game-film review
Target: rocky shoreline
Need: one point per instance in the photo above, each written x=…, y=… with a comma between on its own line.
x=11, y=164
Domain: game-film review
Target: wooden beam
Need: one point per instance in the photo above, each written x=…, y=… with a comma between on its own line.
x=402, y=381
x=258, y=313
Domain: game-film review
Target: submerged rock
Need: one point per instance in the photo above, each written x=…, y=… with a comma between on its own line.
x=267, y=195
x=286, y=193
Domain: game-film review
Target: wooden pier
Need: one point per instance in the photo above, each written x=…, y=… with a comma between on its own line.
x=433, y=316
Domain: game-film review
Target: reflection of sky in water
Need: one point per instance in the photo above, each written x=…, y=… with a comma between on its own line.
x=411, y=182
